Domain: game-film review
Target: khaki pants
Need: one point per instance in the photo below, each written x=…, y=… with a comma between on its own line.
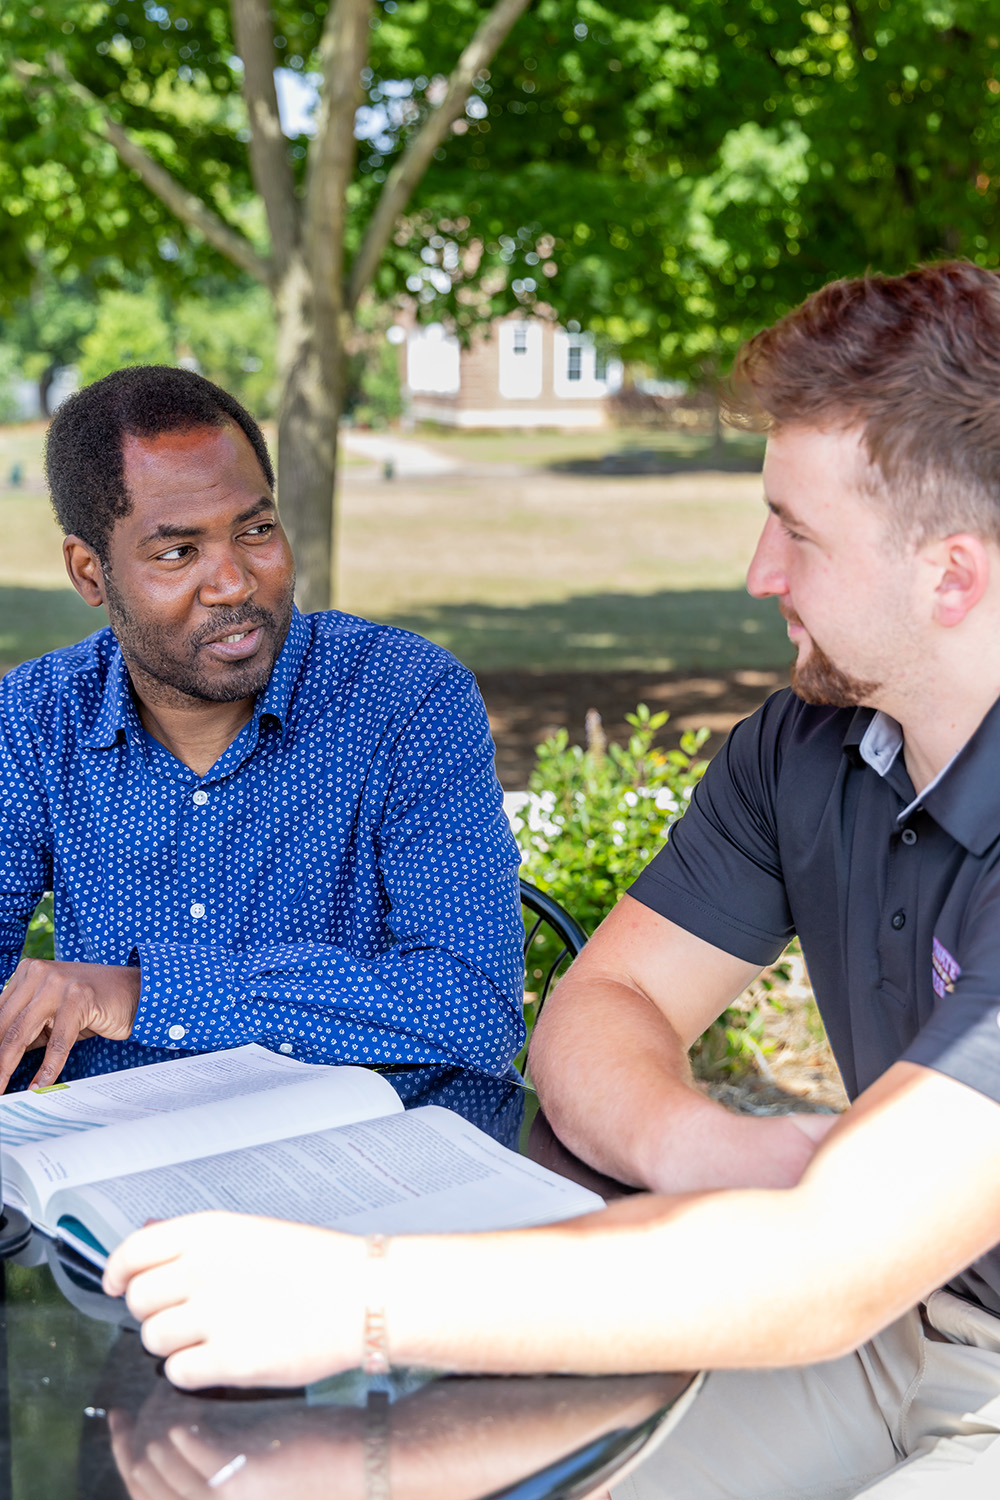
x=912, y=1415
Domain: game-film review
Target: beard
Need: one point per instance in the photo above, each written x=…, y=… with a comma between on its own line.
x=147, y=650
x=817, y=680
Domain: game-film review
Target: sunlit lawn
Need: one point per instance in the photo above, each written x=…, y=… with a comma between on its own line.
x=545, y=568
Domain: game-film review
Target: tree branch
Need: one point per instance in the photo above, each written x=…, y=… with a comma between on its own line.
x=187, y=206
x=343, y=53
x=415, y=160
x=272, y=173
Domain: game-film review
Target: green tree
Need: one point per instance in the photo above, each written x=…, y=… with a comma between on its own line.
x=232, y=337
x=130, y=329
x=46, y=326
x=185, y=101
x=673, y=178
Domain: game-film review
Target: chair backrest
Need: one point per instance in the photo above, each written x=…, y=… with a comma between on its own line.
x=552, y=939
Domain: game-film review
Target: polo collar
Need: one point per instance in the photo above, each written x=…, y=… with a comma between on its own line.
x=964, y=797
x=117, y=714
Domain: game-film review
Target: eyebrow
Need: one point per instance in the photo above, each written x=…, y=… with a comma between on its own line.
x=165, y=532
x=784, y=514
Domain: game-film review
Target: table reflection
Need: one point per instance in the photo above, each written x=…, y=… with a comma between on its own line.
x=450, y=1439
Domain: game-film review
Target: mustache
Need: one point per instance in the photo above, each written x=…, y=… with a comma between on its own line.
x=787, y=613
x=231, y=620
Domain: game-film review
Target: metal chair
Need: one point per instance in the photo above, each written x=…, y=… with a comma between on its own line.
x=552, y=939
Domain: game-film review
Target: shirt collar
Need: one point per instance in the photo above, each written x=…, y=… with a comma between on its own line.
x=277, y=696
x=964, y=797
x=117, y=713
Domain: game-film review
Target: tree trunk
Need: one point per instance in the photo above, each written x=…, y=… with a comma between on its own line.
x=311, y=367
x=44, y=386
x=718, y=448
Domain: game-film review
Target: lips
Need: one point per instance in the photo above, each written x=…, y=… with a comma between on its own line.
x=236, y=646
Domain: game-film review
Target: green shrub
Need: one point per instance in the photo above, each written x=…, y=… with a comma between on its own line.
x=41, y=931
x=595, y=817
x=598, y=814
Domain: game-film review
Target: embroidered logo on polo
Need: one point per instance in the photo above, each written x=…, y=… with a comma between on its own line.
x=945, y=969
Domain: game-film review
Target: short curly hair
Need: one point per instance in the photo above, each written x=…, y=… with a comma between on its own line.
x=84, y=458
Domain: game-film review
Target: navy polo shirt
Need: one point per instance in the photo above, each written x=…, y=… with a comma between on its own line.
x=807, y=822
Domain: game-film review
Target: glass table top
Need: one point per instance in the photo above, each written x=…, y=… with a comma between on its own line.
x=86, y=1413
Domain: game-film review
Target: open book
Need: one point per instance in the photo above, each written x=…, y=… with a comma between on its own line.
x=256, y=1132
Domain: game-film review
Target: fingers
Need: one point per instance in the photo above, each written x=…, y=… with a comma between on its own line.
x=60, y=1002
x=160, y=1241
x=154, y=1470
x=196, y=1369
x=154, y=1291
x=64, y=1032
x=173, y=1328
x=27, y=1007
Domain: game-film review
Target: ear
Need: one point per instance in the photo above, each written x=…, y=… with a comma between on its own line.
x=963, y=564
x=84, y=568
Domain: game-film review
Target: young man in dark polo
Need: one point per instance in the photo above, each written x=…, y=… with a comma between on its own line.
x=838, y=1277
x=259, y=826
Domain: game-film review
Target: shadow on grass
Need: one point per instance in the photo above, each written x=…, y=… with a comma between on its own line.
x=692, y=630
x=668, y=453
x=697, y=630
x=35, y=620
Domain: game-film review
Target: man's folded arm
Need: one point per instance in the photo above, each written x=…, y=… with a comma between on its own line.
x=448, y=989
x=325, y=1005
x=609, y=1060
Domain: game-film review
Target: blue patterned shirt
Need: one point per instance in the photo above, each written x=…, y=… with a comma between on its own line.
x=341, y=885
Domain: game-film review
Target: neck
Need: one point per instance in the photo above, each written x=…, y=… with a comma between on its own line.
x=195, y=730
x=935, y=731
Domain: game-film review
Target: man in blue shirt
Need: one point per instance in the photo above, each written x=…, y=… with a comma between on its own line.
x=258, y=825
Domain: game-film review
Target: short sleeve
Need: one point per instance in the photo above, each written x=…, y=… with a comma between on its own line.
x=719, y=874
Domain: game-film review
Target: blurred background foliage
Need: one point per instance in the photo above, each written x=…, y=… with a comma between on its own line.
x=671, y=176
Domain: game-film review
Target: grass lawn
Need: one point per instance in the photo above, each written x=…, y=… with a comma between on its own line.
x=552, y=564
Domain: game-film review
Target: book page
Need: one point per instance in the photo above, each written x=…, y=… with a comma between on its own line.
x=135, y=1093
x=424, y=1171
x=328, y=1096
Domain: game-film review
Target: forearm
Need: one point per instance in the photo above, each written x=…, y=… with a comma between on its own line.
x=726, y=1280
x=616, y=1087
x=326, y=1005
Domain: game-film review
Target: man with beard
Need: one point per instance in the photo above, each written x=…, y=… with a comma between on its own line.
x=258, y=825
x=840, y=1278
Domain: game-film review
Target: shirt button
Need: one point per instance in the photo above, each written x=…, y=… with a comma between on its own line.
x=899, y=919
x=285, y=1047
x=200, y=797
x=177, y=1033
x=197, y=910
x=909, y=835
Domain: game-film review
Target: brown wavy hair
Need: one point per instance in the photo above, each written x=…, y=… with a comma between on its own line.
x=911, y=361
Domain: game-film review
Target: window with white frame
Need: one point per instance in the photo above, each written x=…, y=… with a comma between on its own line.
x=579, y=370
x=519, y=355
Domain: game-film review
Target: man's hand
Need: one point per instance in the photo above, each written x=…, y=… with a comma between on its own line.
x=55, y=1005
x=194, y=1284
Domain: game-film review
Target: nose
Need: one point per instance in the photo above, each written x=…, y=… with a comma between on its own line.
x=227, y=580
x=766, y=574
